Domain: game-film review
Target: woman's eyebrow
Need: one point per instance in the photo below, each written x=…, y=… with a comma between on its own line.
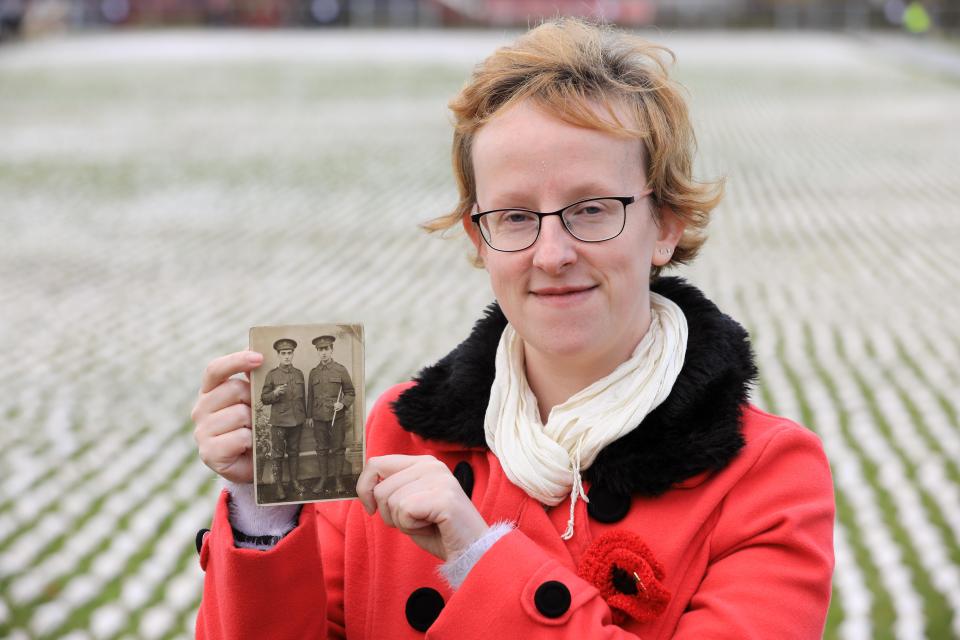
x=507, y=199
x=569, y=195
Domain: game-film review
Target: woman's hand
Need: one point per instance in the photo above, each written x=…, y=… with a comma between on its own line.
x=419, y=496
x=223, y=418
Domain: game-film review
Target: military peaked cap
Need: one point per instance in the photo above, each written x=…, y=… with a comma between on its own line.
x=284, y=343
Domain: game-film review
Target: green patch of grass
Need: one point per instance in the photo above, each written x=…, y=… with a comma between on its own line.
x=937, y=612
x=318, y=165
x=50, y=476
x=881, y=612
x=835, y=614
x=187, y=555
x=948, y=408
x=53, y=93
x=80, y=617
x=20, y=615
x=918, y=420
x=181, y=621
x=766, y=396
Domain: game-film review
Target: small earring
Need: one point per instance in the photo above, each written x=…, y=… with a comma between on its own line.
x=664, y=251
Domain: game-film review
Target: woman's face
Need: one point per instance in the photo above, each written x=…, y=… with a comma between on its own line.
x=565, y=297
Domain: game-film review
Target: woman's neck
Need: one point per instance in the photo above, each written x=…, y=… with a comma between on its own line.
x=553, y=379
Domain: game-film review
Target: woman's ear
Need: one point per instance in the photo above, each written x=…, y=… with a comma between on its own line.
x=671, y=228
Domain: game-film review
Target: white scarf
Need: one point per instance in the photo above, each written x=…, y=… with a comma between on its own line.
x=546, y=460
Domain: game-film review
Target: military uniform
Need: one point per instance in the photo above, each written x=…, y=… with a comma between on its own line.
x=327, y=384
x=287, y=415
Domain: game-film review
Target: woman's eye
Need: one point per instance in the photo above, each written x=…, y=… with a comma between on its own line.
x=517, y=217
x=589, y=209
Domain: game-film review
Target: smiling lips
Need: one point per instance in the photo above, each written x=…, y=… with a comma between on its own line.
x=562, y=295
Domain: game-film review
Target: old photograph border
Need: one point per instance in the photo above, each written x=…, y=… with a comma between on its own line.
x=328, y=439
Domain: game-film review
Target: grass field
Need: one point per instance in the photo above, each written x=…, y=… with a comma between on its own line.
x=162, y=192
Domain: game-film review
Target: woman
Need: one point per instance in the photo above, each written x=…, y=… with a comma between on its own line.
x=585, y=464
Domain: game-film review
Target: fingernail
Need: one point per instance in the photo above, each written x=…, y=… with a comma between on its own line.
x=254, y=358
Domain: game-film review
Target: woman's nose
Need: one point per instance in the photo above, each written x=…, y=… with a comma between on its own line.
x=555, y=249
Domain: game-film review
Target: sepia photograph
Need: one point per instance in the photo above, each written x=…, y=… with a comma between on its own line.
x=307, y=401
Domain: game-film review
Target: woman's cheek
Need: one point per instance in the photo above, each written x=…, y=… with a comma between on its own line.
x=504, y=277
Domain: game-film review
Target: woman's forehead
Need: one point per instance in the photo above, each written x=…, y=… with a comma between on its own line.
x=527, y=128
x=525, y=147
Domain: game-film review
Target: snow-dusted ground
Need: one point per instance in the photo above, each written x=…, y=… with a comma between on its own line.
x=162, y=192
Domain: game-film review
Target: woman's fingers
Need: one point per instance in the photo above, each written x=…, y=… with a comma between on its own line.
x=224, y=449
x=388, y=484
x=391, y=489
x=229, y=392
x=412, y=507
x=222, y=421
x=227, y=366
x=369, y=477
x=378, y=469
x=224, y=441
x=228, y=454
x=223, y=417
x=419, y=496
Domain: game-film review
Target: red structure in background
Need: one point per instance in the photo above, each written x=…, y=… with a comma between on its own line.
x=273, y=13
x=250, y=13
x=527, y=12
x=39, y=16
x=514, y=12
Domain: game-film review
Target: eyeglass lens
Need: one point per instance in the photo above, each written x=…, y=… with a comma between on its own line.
x=591, y=221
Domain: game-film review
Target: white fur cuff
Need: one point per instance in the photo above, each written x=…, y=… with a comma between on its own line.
x=253, y=520
x=455, y=570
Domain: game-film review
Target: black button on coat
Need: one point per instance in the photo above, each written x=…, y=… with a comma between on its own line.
x=552, y=599
x=423, y=608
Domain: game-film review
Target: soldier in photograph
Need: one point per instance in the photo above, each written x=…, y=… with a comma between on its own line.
x=330, y=394
x=283, y=390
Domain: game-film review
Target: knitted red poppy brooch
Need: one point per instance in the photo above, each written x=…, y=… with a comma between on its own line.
x=623, y=568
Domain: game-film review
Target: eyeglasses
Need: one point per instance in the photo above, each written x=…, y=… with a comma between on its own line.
x=593, y=220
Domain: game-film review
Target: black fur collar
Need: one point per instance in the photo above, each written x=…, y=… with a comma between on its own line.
x=696, y=429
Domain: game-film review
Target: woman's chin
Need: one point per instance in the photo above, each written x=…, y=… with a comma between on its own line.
x=566, y=341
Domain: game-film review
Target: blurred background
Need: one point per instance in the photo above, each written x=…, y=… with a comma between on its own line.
x=916, y=16
x=173, y=173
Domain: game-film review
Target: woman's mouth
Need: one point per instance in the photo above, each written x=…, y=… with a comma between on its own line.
x=563, y=296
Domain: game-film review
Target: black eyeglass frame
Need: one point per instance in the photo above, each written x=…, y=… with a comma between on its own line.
x=624, y=200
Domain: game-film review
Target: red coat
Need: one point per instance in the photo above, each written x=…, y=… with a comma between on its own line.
x=741, y=549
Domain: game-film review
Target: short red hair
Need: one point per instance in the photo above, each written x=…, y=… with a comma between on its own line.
x=568, y=66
